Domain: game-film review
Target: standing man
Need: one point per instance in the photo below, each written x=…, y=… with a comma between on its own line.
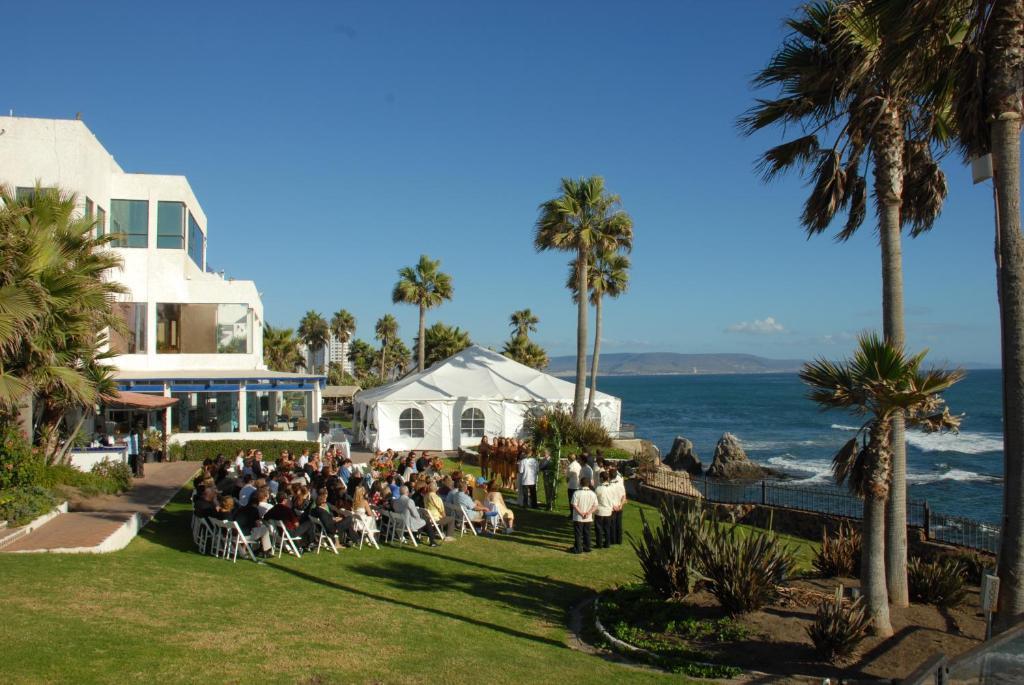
x=572, y=479
x=134, y=438
x=549, y=474
x=618, y=487
x=528, y=468
x=584, y=504
x=606, y=497
x=586, y=468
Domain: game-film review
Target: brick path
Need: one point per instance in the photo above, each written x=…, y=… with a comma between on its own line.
x=98, y=518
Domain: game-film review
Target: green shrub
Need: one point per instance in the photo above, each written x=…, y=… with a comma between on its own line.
x=554, y=427
x=175, y=452
x=198, y=450
x=21, y=505
x=116, y=472
x=974, y=564
x=941, y=582
x=20, y=464
x=667, y=554
x=106, y=478
x=838, y=629
x=743, y=568
x=839, y=555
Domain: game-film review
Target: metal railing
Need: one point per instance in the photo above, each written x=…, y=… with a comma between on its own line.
x=953, y=530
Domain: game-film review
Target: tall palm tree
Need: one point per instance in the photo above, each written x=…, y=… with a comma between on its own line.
x=879, y=382
x=582, y=219
x=399, y=357
x=523, y=322
x=986, y=84
x=442, y=341
x=609, y=275
x=343, y=325
x=314, y=332
x=426, y=286
x=281, y=350
x=525, y=351
x=831, y=82
x=362, y=355
x=386, y=330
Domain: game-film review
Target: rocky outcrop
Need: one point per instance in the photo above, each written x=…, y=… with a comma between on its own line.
x=682, y=457
x=731, y=462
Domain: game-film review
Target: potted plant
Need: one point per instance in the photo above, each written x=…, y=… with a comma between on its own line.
x=153, y=444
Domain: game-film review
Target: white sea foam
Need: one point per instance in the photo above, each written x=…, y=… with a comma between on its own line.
x=820, y=470
x=964, y=442
x=951, y=474
x=841, y=427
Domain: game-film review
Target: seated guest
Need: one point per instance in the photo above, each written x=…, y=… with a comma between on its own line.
x=435, y=509
x=225, y=507
x=497, y=502
x=262, y=500
x=423, y=463
x=411, y=518
x=248, y=487
x=445, y=487
x=337, y=526
x=282, y=512
x=395, y=492
x=480, y=490
x=206, y=504
x=248, y=519
x=461, y=498
x=345, y=472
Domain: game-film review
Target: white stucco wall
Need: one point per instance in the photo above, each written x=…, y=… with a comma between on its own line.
x=66, y=154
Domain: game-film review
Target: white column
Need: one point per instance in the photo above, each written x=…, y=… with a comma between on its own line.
x=317, y=400
x=167, y=413
x=243, y=409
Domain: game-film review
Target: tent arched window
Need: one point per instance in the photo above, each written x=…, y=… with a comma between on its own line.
x=410, y=423
x=472, y=423
x=594, y=414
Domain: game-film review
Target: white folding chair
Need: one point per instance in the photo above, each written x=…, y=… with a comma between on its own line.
x=366, y=524
x=205, y=536
x=283, y=538
x=323, y=538
x=462, y=519
x=403, y=529
x=223, y=536
x=239, y=539
x=425, y=515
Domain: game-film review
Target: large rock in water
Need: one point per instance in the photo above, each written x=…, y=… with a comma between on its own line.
x=731, y=462
x=682, y=457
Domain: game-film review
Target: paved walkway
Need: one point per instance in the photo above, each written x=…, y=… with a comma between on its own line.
x=94, y=521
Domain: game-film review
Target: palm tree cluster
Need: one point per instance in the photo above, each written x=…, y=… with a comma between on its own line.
x=882, y=88
x=56, y=306
x=281, y=351
x=441, y=341
x=589, y=222
x=315, y=333
x=427, y=287
x=519, y=347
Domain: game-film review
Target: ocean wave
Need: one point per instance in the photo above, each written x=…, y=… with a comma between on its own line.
x=964, y=442
x=820, y=470
x=841, y=427
x=952, y=474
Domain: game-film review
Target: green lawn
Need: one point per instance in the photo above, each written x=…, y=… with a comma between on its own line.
x=489, y=610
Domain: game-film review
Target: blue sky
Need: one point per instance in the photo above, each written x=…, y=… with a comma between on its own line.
x=331, y=143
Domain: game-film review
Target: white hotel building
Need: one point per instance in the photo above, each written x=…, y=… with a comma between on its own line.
x=193, y=335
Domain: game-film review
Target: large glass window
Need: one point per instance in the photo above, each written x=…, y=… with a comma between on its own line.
x=89, y=208
x=205, y=412
x=196, y=239
x=101, y=222
x=170, y=225
x=130, y=220
x=134, y=340
x=203, y=328
x=472, y=423
x=410, y=423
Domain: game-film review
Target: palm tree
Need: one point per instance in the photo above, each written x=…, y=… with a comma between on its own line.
x=584, y=218
x=879, y=382
x=424, y=285
x=985, y=82
x=314, y=332
x=525, y=351
x=385, y=331
x=362, y=355
x=281, y=350
x=609, y=275
x=399, y=357
x=56, y=301
x=831, y=81
x=343, y=325
x=441, y=341
x=523, y=322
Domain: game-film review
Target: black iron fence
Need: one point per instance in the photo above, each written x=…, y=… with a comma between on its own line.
x=954, y=530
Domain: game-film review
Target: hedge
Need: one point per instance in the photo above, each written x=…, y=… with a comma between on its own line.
x=198, y=450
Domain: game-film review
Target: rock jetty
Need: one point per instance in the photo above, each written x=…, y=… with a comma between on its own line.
x=682, y=457
x=731, y=462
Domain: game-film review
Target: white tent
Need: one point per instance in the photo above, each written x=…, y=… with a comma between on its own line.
x=460, y=399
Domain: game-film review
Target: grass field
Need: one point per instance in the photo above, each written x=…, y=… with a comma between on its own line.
x=491, y=610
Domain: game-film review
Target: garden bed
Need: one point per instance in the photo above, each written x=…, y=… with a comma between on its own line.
x=693, y=636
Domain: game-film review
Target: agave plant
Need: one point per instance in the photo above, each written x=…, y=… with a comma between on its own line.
x=839, y=554
x=668, y=553
x=940, y=582
x=839, y=628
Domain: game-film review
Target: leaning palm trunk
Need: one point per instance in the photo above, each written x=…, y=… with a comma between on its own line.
x=888, y=191
x=421, y=352
x=1005, y=64
x=597, y=353
x=62, y=456
x=581, y=334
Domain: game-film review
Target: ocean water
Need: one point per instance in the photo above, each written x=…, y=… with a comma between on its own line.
x=959, y=474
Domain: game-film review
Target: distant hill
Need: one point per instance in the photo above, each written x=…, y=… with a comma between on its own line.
x=671, y=363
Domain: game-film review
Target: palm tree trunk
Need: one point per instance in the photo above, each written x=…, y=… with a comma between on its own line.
x=421, y=352
x=581, y=334
x=597, y=352
x=889, y=191
x=1005, y=47
x=383, y=356
x=872, y=565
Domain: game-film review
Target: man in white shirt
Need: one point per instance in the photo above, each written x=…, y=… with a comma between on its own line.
x=528, y=468
x=584, y=504
x=606, y=499
x=572, y=479
x=303, y=459
x=619, y=489
x=586, y=470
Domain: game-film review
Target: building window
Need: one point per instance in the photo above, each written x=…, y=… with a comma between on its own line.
x=594, y=414
x=133, y=341
x=410, y=423
x=29, y=194
x=205, y=412
x=129, y=219
x=472, y=423
x=196, y=241
x=203, y=328
x=89, y=207
x=170, y=225
x=101, y=222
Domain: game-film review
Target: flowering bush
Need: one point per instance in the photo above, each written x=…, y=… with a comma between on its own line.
x=20, y=464
x=21, y=505
x=117, y=472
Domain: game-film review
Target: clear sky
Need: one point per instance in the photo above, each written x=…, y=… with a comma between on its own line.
x=331, y=143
